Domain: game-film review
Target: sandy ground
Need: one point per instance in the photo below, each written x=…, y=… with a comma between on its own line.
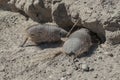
x=39, y=63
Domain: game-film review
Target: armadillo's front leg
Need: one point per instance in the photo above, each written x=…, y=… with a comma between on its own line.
x=23, y=43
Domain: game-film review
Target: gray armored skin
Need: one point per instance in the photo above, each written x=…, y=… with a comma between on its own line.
x=83, y=33
x=78, y=42
x=44, y=33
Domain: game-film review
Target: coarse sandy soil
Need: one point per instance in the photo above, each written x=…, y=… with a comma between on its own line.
x=40, y=63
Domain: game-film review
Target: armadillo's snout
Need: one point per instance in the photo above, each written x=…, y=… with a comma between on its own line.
x=63, y=33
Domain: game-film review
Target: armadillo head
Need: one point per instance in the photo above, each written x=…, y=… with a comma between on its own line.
x=63, y=33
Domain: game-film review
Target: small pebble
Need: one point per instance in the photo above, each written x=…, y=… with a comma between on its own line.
x=91, y=69
x=69, y=73
x=44, y=71
x=50, y=76
x=55, y=64
x=68, y=64
x=109, y=54
x=63, y=70
x=85, y=67
x=75, y=68
x=95, y=59
x=76, y=60
x=62, y=78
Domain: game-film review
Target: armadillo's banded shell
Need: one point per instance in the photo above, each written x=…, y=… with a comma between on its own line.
x=45, y=33
x=75, y=46
x=78, y=42
x=81, y=34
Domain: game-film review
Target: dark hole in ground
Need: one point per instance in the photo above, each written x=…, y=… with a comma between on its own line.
x=74, y=29
x=95, y=38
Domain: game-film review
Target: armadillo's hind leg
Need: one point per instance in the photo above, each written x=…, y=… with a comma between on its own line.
x=23, y=43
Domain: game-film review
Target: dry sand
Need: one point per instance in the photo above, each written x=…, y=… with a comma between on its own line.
x=33, y=63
